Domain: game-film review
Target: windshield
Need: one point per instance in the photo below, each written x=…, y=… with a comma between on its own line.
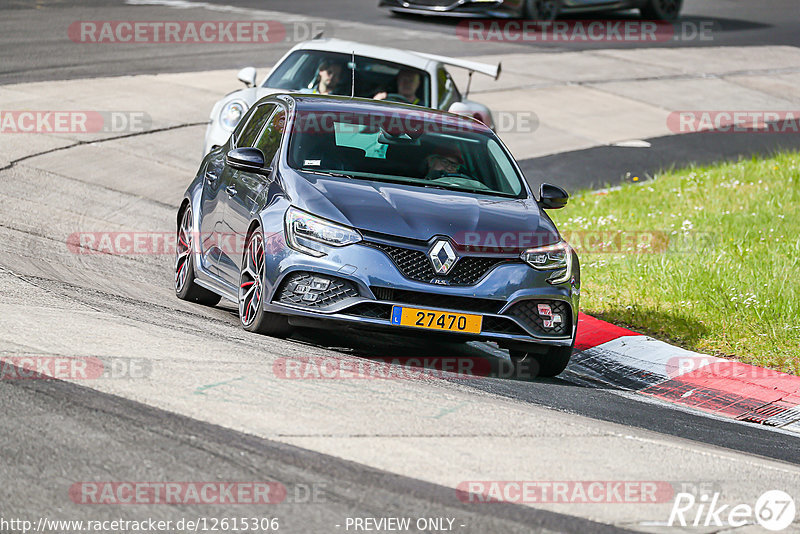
x=315, y=71
x=417, y=149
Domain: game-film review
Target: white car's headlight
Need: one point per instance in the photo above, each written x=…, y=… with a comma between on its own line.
x=231, y=113
x=310, y=234
x=556, y=257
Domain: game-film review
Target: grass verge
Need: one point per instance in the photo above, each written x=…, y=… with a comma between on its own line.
x=707, y=258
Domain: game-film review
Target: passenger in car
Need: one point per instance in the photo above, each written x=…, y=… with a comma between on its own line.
x=328, y=77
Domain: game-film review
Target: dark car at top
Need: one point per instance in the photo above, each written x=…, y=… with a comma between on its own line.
x=542, y=10
x=335, y=211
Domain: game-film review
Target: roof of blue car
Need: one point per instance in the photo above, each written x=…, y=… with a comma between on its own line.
x=308, y=102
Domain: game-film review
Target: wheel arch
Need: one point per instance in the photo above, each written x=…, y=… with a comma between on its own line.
x=182, y=209
x=255, y=224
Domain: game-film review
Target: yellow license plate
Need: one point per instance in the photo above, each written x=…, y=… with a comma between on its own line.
x=437, y=320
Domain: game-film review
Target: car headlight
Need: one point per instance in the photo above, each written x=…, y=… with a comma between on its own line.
x=556, y=257
x=231, y=113
x=309, y=233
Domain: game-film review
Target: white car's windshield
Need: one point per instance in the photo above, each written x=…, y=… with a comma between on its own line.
x=402, y=146
x=315, y=71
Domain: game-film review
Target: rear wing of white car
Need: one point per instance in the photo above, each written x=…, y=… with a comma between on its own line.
x=472, y=66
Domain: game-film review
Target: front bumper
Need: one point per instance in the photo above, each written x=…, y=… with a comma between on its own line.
x=459, y=8
x=365, y=284
x=492, y=9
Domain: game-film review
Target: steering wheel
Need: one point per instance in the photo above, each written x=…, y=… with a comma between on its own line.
x=460, y=179
x=397, y=97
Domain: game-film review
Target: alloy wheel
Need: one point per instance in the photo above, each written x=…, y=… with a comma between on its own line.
x=251, y=286
x=183, y=249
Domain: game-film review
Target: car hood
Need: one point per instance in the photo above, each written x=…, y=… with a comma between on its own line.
x=421, y=213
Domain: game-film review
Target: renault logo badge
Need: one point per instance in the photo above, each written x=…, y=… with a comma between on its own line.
x=442, y=256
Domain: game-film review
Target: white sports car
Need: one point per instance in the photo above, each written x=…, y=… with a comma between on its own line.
x=334, y=66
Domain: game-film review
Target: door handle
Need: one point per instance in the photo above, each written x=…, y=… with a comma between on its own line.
x=230, y=190
x=211, y=177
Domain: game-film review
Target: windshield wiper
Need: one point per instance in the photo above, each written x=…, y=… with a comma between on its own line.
x=328, y=173
x=453, y=187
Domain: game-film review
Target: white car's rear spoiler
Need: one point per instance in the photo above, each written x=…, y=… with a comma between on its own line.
x=472, y=66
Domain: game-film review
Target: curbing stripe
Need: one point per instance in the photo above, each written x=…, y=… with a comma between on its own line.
x=622, y=358
x=594, y=332
x=789, y=419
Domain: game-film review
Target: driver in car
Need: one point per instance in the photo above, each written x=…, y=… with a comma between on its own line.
x=328, y=76
x=443, y=161
x=407, y=84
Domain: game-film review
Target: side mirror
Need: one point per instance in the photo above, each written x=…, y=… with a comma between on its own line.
x=552, y=197
x=247, y=76
x=248, y=160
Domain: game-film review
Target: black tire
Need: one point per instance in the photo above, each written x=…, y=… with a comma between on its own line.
x=661, y=9
x=252, y=316
x=541, y=10
x=185, y=286
x=529, y=365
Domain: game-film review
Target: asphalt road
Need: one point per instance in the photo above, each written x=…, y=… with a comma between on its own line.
x=35, y=43
x=48, y=422
x=56, y=433
x=214, y=409
x=607, y=166
x=36, y=47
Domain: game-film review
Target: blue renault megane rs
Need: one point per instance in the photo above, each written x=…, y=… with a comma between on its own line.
x=332, y=211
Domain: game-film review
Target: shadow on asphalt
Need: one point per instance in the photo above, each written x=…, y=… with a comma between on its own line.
x=421, y=355
x=416, y=356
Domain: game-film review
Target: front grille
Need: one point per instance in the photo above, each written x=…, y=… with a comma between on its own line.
x=528, y=313
x=293, y=291
x=415, y=265
x=434, y=300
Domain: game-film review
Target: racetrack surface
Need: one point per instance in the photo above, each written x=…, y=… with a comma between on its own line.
x=203, y=366
x=584, y=98
x=33, y=33
x=53, y=419
x=212, y=405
